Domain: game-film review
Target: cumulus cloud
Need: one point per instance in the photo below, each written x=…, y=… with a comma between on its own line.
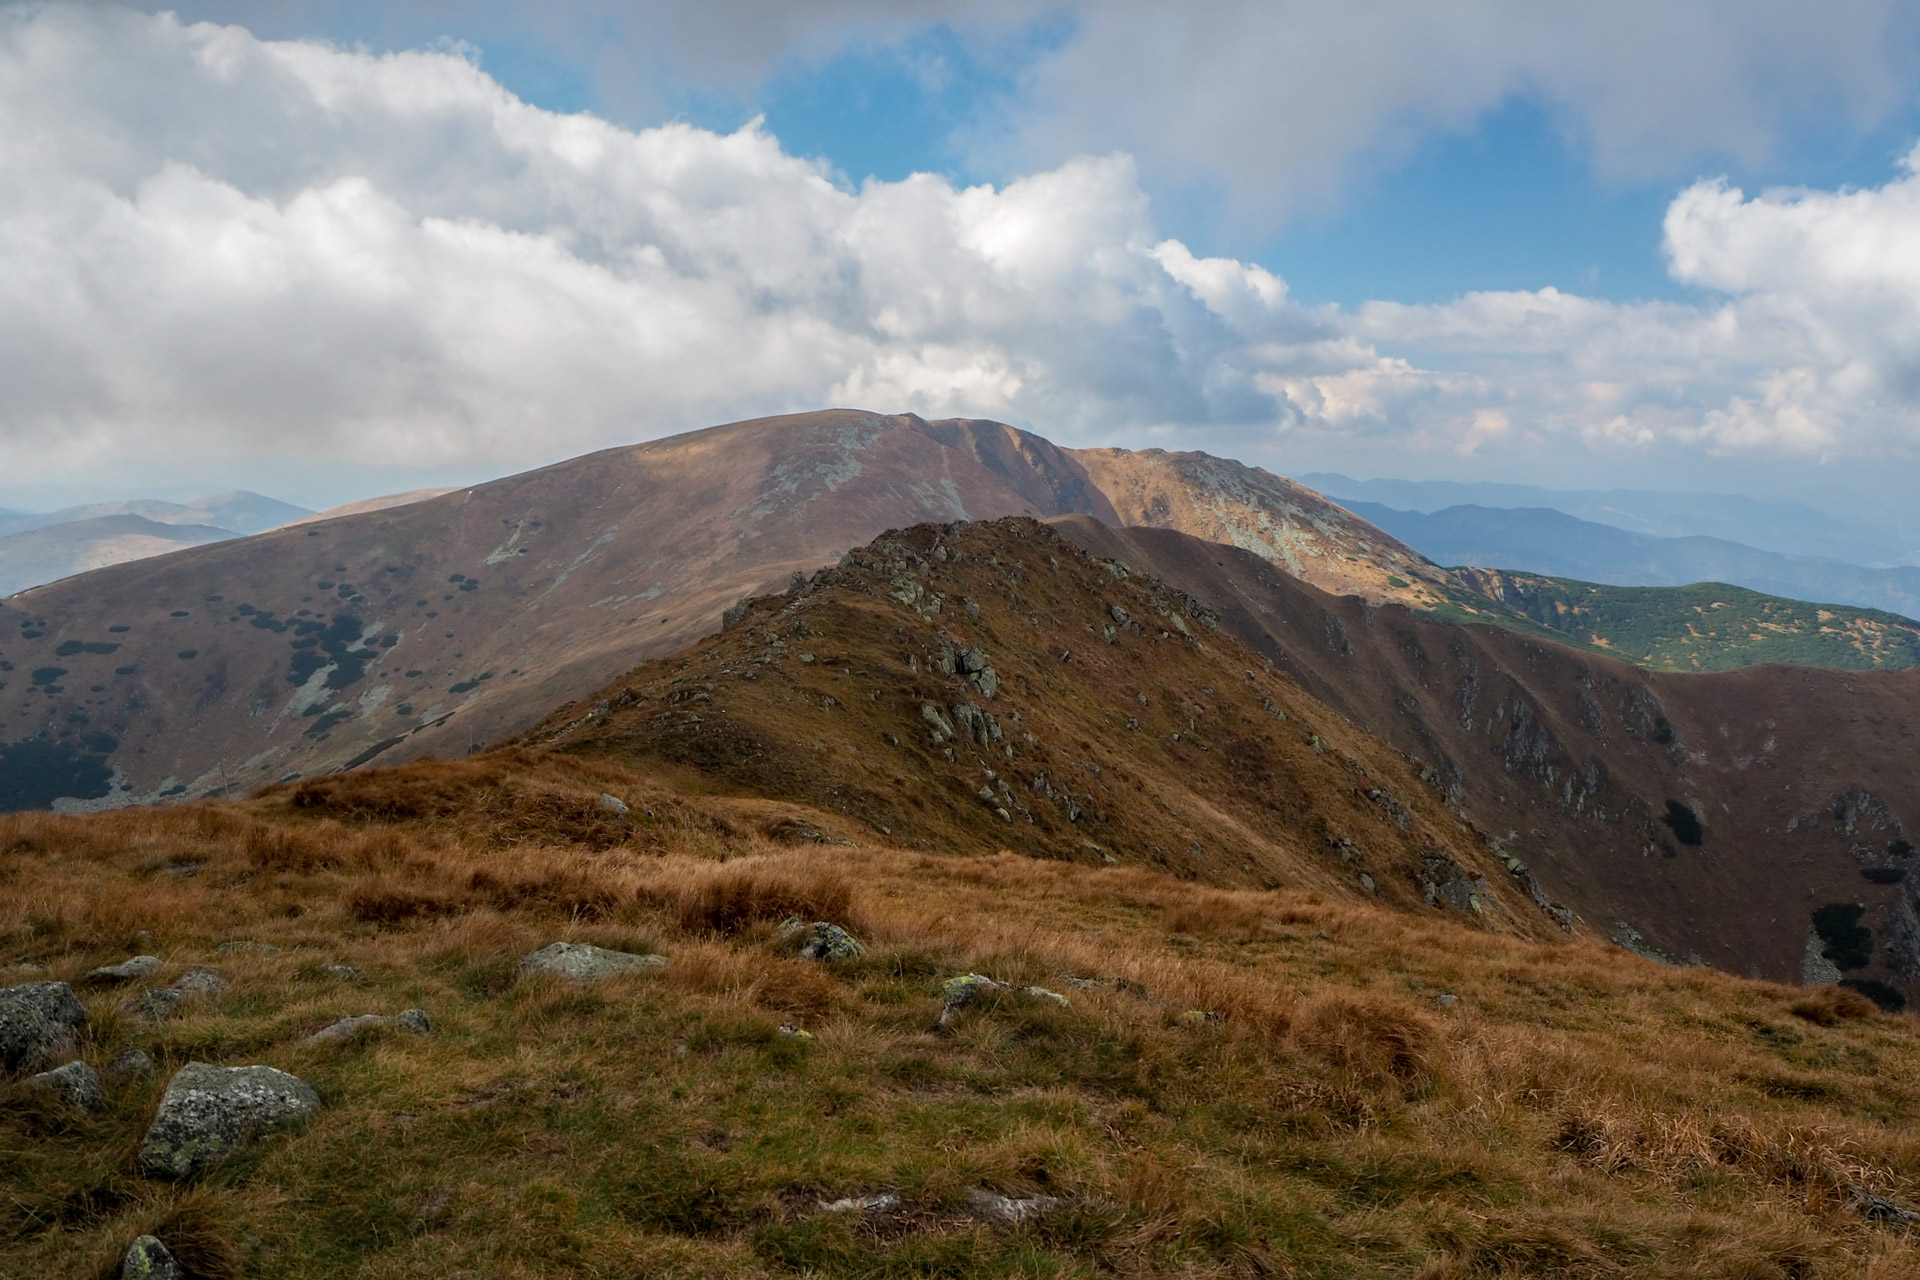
x=210, y=242
x=213, y=245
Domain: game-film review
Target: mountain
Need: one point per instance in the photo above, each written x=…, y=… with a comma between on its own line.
x=1708, y=626
x=1731, y=817
x=1556, y=544
x=240, y=512
x=988, y=685
x=372, y=504
x=438, y=625
x=1790, y=528
x=52, y=552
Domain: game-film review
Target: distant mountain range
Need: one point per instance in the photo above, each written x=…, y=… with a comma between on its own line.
x=1537, y=540
x=1789, y=528
x=237, y=512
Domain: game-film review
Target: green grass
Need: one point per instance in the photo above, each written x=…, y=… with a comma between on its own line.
x=1707, y=626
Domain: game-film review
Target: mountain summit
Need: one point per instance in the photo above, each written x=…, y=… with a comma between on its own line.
x=435, y=626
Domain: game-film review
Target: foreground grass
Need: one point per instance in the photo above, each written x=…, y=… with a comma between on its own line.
x=1569, y=1111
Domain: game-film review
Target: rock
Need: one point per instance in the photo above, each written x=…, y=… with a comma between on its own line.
x=877, y=1203
x=414, y=1020
x=1201, y=1018
x=792, y=1032
x=1008, y=1210
x=129, y=1063
x=38, y=1021
x=243, y=944
x=965, y=991
x=148, y=1259
x=156, y=1005
x=209, y=1112
x=1447, y=1000
x=113, y=975
x=1879, y=1208
x=818, y=940
x=74, y=1084
x=201, y=980
x=344, y=972
x=578, y=962
x=613, y=804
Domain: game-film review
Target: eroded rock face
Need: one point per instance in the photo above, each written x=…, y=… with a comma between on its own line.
x=210, y=1112
x=38, y=1021
x=818, y=940
x=579, y=962
x=148, y=1259
x=75, y=1084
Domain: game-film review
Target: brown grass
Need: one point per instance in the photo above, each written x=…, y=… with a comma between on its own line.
x=1573, y=1111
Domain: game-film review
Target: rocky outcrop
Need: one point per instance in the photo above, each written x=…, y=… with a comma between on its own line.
x=818, y=940
x=38, y=1022
x=209, y=1112
x=114, y=975
x=579, y=962
x=148, y=1259
x=967, y=990
x=413, y=1020
x=75, y=1085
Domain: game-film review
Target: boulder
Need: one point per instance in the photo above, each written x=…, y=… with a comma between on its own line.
x=203, y=980
x=38, y=1021
x=113, y=975
x=128, y=1064
x=613, y=804
x=965, y=991
x=344, y=972
x=209, y=1112
x=148, y=1259
x=414, y=1020
x=578, y=962
x=156, y=1005
x=817, y=940
x=1008, y=1210
x=75, y=1084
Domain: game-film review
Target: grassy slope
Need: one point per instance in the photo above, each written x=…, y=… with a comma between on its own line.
x=1577, y=1111
x=1707, y=626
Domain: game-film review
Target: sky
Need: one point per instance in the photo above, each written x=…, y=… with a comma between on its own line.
x=329, y=250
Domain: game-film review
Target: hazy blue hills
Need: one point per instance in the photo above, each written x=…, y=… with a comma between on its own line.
x=1559, y=545
x=1789, y=528
x=236, y=512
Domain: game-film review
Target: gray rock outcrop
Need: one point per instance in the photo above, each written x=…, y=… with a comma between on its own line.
x=817, y=940
x=414, y=1020
x=203, y=980
x=75, y=1084
x=38, y=1022
x=209, y=1112
x=113, y=975
x=129, y=1063
x=156, y=1005
x=965, y=991
x=579, y=962
x=148, y=1259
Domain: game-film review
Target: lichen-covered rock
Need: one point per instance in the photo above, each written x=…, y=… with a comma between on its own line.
x=209, y=1112
x=414, y=1020
x=792, y=1032
x=578, y=962
x=38, y=1021
x=965, y=991
x=75, y=1084
x=818, y=940
x=148, y=1259
x=202, y=980
x=1008, y=1210
x=156, y=1005
x=129, y=1063
x=113, y=975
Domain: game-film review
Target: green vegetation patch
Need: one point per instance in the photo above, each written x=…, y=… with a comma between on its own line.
x=1708, y=626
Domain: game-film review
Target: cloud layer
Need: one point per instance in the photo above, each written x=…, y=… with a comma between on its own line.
x=213, y=245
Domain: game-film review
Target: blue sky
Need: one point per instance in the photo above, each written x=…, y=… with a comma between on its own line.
x=1663, y=245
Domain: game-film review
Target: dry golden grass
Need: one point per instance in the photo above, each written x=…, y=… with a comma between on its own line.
x=1572, y=1110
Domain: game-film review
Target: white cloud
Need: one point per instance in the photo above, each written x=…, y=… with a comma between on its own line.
x=214, y=246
